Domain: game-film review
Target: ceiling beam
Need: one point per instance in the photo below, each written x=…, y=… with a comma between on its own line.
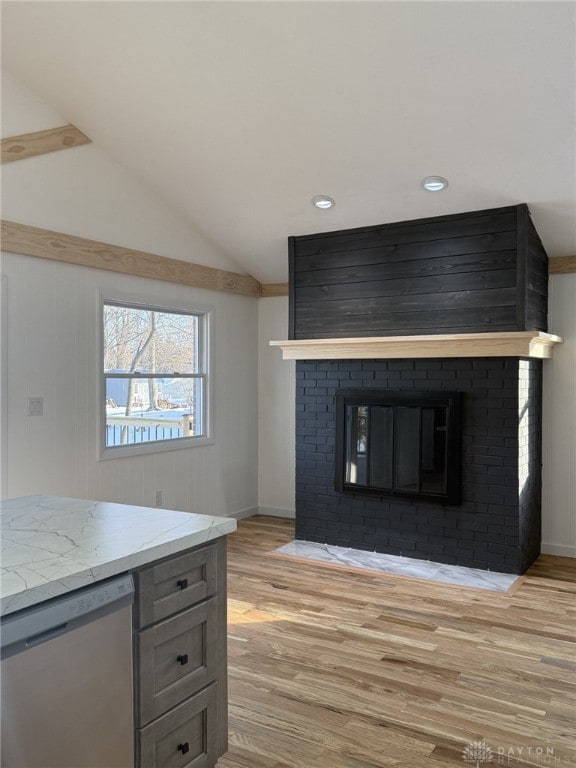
x=274, y=289
x=45, y=244
x=41, y=142
x=561, y=265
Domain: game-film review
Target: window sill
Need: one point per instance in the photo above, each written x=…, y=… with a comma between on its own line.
x=158, y=446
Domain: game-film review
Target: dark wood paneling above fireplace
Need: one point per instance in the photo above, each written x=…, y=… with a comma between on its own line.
x=471, y=272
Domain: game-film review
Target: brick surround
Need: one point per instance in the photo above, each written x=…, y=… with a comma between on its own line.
x=496, y=527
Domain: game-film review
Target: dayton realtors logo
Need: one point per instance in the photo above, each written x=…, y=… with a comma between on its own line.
x=478, y=753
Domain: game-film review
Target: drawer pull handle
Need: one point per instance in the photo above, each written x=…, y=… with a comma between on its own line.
x=184, y=747
x=183, y=658
x=182, y=583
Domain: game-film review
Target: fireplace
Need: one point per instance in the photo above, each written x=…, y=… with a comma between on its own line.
x=393, y=443
x=497, y=524
x=418, y=387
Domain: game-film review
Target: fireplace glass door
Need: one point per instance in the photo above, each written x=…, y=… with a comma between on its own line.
x=398, y=444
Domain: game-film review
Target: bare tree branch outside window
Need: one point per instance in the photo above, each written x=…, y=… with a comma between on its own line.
x=155, y=373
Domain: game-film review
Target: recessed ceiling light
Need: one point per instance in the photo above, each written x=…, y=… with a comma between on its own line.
x=323, y=201
x=434, y=183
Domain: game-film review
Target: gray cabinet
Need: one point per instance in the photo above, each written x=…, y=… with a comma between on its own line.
x=171, y=585
x=180, y=691
x=185, y=737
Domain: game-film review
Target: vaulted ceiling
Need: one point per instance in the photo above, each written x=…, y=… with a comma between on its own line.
x=239, y=112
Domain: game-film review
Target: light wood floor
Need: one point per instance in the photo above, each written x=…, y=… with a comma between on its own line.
x=333, y=668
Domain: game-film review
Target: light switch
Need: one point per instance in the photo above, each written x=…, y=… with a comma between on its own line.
x=35, y=406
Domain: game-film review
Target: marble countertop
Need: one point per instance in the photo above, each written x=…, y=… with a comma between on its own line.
x=52, y=545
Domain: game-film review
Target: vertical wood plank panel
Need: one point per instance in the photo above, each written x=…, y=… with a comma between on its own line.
x=52, y=322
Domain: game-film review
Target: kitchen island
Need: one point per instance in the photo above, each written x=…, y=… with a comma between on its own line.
x=52, y=547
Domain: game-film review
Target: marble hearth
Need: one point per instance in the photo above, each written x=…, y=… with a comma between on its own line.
x=399, y=566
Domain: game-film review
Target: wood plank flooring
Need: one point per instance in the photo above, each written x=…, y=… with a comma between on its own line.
x=340, y=669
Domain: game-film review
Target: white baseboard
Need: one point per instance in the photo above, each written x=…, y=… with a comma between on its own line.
x=242, y=513
x=562, y=550
x=277, y=512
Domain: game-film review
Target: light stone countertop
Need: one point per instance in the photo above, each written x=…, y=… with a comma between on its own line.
x=53, y=545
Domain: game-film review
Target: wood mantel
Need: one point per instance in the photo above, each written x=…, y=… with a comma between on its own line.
x=502, y=344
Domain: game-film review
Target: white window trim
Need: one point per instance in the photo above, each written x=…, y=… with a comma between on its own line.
x=124, y=298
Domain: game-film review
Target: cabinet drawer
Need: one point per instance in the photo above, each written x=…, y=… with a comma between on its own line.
x=175, y=659
x=176, y=584
x=183, y=738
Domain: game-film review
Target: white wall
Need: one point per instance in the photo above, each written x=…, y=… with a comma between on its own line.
x=559, y=427
x=276, y=412
x=52, y=327
x=50, y=321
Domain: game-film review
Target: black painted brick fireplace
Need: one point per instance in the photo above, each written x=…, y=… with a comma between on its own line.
x=496, y=527
x=466, y=273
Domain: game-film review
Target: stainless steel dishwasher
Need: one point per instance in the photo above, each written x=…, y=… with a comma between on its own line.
x=66, y=681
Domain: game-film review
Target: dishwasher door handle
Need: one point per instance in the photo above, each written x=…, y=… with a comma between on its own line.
x=41, y=637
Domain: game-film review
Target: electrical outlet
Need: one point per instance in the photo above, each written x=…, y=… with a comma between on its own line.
x=158, y=498
x=35, y=406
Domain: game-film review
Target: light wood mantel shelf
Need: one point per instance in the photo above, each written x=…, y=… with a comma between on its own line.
x=503, y=344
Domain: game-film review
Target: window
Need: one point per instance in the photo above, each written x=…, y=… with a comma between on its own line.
x=155, y=378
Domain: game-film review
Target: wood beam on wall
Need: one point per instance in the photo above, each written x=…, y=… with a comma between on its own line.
x=561, y=265
x=45, y=244
x=42, y=142
x=274, y=289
